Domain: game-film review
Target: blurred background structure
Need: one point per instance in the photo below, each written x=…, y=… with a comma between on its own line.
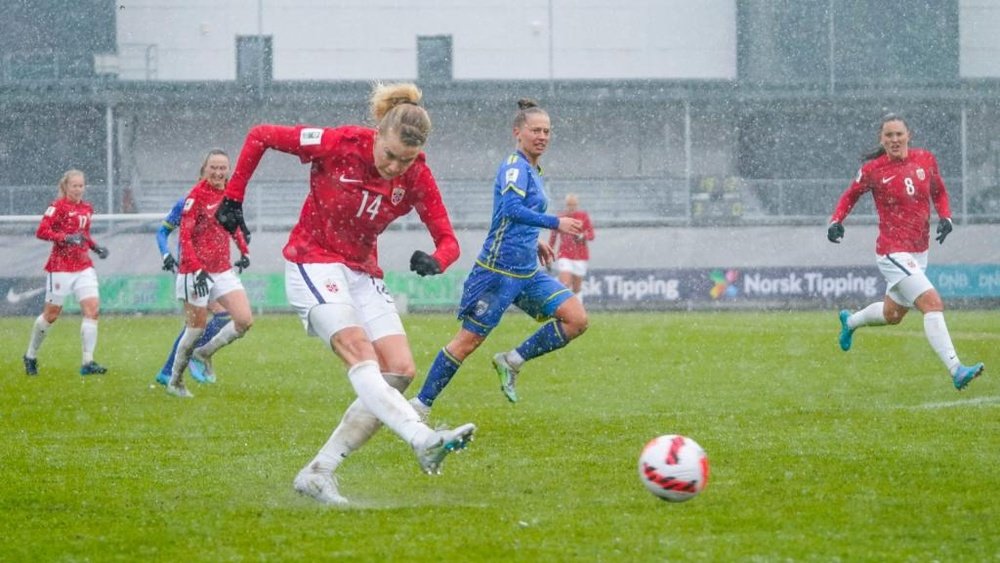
x=673, y=112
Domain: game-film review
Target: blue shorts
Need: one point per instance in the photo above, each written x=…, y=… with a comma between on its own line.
x=487, y=294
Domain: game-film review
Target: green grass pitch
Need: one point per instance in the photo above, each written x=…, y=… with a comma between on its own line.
x=816, y=455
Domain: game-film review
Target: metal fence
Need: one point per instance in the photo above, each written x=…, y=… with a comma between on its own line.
x=610, y=201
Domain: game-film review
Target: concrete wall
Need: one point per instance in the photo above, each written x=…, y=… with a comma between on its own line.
x=491, y=39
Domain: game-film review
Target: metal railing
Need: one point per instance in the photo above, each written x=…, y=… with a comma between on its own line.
x=610, y=201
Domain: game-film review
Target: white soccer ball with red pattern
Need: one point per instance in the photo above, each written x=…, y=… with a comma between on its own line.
x=673, y=467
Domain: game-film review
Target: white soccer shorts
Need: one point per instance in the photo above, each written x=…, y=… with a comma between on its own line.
x=309, y=285
x=904, y=276
x=82, y=284
x=576, y=267
x=220, y=284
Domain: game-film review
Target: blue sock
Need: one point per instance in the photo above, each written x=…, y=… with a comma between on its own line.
x=169, y=366
x=213, y=327
x=546, y=339
x=442, y=370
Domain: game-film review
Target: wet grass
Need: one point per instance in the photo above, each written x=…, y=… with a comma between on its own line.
x=816, y=454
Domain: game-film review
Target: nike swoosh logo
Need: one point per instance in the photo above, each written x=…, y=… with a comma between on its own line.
x=211, y=207
x=15, y=297
x=346, y=180
x=887, y=180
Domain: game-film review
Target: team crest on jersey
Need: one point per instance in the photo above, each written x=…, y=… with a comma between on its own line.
x=188, y=203
x=310, y=136
x=397, y=195
x=331, y=286
x=50, y=211
x=512, y=175
x=921, y=174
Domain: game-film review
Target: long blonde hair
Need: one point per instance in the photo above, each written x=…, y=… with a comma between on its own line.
x=396, y=107
x=64, y=181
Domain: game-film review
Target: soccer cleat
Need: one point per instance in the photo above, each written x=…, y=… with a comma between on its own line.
x=92, y=368
x=207, y=373
x=319, y=487
x=965, y=374
x=423, y=410
x=846, y=334
x=30, y=366
x=432, y=454
x=178, y=389
x=200, y=371
x=163, y=378
x=508, y=376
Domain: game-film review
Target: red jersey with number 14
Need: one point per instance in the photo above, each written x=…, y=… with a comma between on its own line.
x=349, y=204
x=903, y=191
x=61, y=219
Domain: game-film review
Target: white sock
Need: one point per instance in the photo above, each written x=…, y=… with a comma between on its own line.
x=872, y=315
x=514, y=359
x=38, y=332
x=88, y=338
x=184, y=348
x=356, y=427
x=387, y=403
x=226, y=335
x=937, y=334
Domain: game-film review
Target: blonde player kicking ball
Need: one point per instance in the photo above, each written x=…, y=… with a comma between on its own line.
x=361, y=180
x=903, y=183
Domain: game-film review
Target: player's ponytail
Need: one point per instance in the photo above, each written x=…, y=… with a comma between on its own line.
x=396, y=107
x=526, y=107
x=880, y=150
x=64, y=181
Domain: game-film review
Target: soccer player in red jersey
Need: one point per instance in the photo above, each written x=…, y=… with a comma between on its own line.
x=205, y=275
x=66, y=223
x=903, y=182
x=572, y=252
x=361, y=180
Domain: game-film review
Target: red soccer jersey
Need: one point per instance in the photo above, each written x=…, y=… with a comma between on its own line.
x=349, y=203
x=574, y=247
x=204, y=244
x=61, y=219
x=903, y=191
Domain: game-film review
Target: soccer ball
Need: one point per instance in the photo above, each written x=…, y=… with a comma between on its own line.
x=673, y=467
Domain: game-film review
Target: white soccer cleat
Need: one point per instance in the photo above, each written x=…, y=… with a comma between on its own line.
x=318, y=486
x=423, y=410
x=441, y=443
x=178, y=389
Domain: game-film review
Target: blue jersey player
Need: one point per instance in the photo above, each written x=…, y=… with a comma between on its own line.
x=507, y=270
x=219, y=319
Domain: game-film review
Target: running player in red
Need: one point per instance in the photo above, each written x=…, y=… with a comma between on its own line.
x=572, y=252
x=904, y=182
x=205, y=275
x=361, y=180
x=66, y=223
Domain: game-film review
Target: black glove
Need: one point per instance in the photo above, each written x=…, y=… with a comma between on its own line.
x=169, y=263
x=835, y=232
x=75, y=239
x=944, y=227
x=424, y=264
x=242, y=264
x=230, y=216
x=102, y=251
x=201, y=280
